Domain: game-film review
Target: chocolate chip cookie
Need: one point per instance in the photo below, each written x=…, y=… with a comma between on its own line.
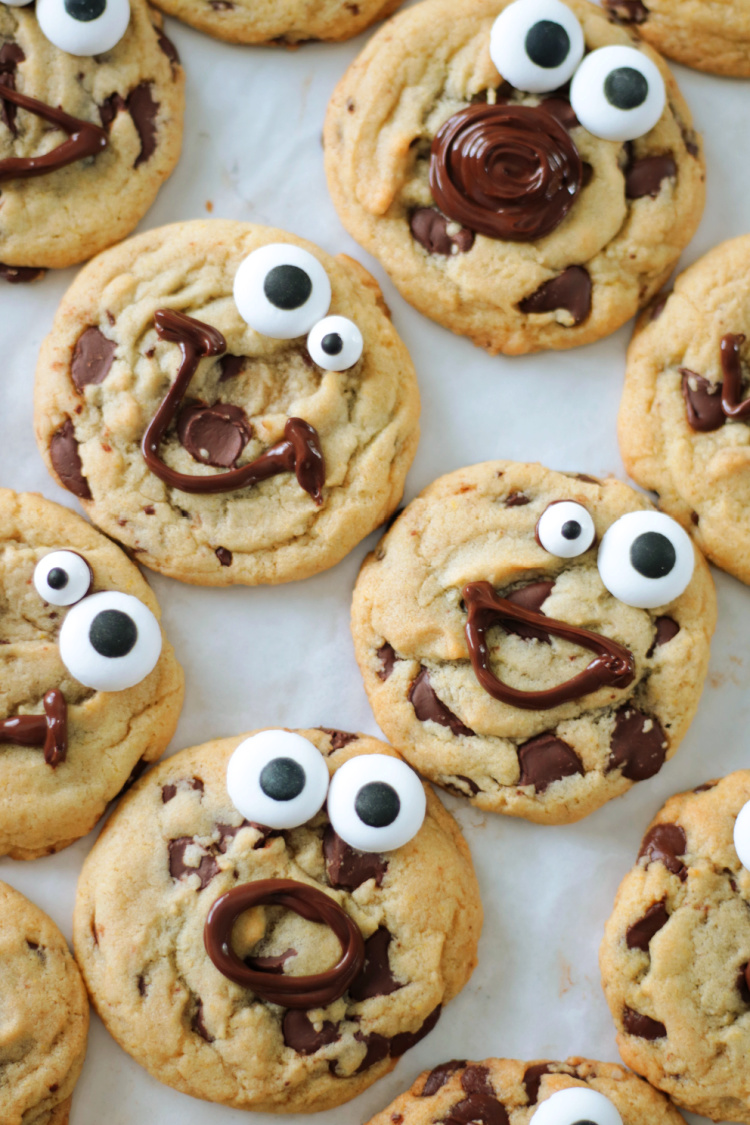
x=684, y=421
x=45, y=1016
x=271, y=921
x=91, y=688
x=228, y=401
x=712, y=35
x=527, y=192
x=535, y=641
x=675, y=954
x=282, y=22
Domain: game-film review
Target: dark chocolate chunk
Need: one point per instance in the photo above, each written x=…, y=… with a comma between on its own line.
x=645, y=176
x=427, y=705
x=703, y=404
x=430, y=229
x=376, y=977
x=639, y=744
x=704, y=788
x=272, y=964
x=347, y=868
x=532, y=1080
x=378, y=1047
x=627, y=11
x=635, y=1023
x=743, y=982
x=178, y=869
x=198, y=1024
x=638, y=936
x=66, y=461
x=224, y=555
x=545, y=759
x=92, y=358
x=10, y=56
x=530, y=597
x=168, y=48
x=438, y=1077
x=405, y=1040
x=561, y=110
x=110, y=107
x=666, y=628
x=516, y=500
x=388, y=658
x=169, y=791
x=143, y=109
x=142, y=985
x=299, y=1033
x=230, y=365
x=476, y=1080
x=213, y=435
x=471, y=785
x=339, y=738
x=19, y=275
x=570, y=290
x=664, y=843
x=227, y=833
x=481, y=1103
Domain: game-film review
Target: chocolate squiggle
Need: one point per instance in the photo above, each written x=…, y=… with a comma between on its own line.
x=315, y=991
x=50, y=730
x=84, y=139
x=506, y=171
x=709, y=405
x=613, y=665
x=299, y=452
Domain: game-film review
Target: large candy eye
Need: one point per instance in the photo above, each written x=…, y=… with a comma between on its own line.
x=536, y=45
x=277, y=779
x=376, y=803
x=646, y=559
x=618, y=94
x=281, y=291
x=577, y=1106
x=335, y=343
x=565, y=529
x=110, y=641
x=62, y=578
x=83, y=27
x=742, y=836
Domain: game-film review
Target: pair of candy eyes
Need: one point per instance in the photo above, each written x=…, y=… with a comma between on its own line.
x=81, y=27
x=577, y=1105
x=617, y=92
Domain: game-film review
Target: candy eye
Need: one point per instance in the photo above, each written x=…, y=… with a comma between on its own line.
x=335, y=343
x=618, y=94
x=646, y=559
x=110, y=641
x=577, y=1106
x=83, y=27
x=17, y=3
x=565, y=529
x=62, y=578
x=281, y=291
x=742, y=836
x=376, y=803
x=536, y=45
x=277, y=779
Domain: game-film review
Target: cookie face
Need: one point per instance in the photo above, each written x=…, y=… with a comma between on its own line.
x=535, y=641
x=229, y=402
x=90, y=126
x=92, y=690
x=676, y=950
x=519, y=211
x=288, y=970
x=282, y=22
x=45, y=1015
x=684, y=423
x=709, y=36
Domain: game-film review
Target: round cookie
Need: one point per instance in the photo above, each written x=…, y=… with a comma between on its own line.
x=139, y=930
x=518, y=231
x=475, y=641
x=71, y=735
x=45, y=1016
x=123, y=107
x=269, y=465
x=676, y=949
x=507, y=1092
x=712, y=35
x=684, y=423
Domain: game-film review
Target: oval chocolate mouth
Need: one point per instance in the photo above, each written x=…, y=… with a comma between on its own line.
x=48, y=731
x=613, y=665
x=84, y=139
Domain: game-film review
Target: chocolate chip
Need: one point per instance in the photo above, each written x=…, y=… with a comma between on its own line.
x=428, y=707
x=627, y=11
x=299, y=1033
x=213, y=435
x=645, y=176
x=666, y=629
x=743, y=982
x=109, y=109
x=405, y=1040
x=376, y=978
x=704, y=788
x=638, y=746
x=430, y=229
x=169, y=791
x=476, y=1080
x=19, y=275
x=377, y=1048
x=638, y=936
x=703, y=405
x=66, y=461
x=10, y=56
x=545, y=759
x=635, y=1023
x=516, y=500
x=532, y=1080
x=570, y=290
x=471, y=785
x=388, y=658
x=339, y=738
x=438, y=1077
x=663, y=844
x=224, y=555
x=92, y=358
x=586, y=478
x=143, y=109
x=347, y=868
x=142, y=985
x=272, y=964
x=530, y=597
x=168, y=48
x=178, y=869
x=230, y=365
x=561, y=110
x=481, y=1103
x=198, y=1025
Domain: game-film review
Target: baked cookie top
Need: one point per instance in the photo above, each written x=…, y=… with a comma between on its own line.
x=90, y=126
x=495, y=211
x=283, y=22
x=676, y=949
x=91, y=687
x=228, y=401
x=684, y=423
x=521, y=644
x=285, y=1031
x=45, y=1015
x=712, y=35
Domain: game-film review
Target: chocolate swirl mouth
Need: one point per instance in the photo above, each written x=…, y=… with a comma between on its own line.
x=48, y=731
x=506, y=171
x=84, y=139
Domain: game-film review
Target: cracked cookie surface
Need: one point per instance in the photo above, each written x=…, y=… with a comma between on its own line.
x=712, y=35
x=282, y=22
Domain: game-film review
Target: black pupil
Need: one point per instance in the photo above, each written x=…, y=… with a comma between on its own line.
x=582, y=1122
x=283, y=779
x=287, y=287
x=85, y=10
x=571, y=529
x=625, y=88
x=57, y=578
x=547, y=44
x=113, y=633
x=332, y=344
x=652, y=554
x=377, y=804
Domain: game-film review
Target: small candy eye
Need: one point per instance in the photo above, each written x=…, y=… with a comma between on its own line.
x=536, y=45
x=646, y=559
x=110, y=641
x=335, y=343
x=742, y=836
x=618, y=94
x=281, y=291
x=376, y=803
x=277, y=779
x=565, y=529
x=63, y=578
x=577, y=1106
x=83, y=27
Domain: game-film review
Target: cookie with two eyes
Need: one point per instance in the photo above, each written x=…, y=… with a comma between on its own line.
x=91, y=687
x=705, y=34
x=676, y=949
x=293, y=911
x=527, y=172
x=536, y=641
x=228, y=401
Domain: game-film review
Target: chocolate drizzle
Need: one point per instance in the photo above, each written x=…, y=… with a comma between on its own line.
x=708, y=404
x=49, y=731
x=10, y=56
x=84, y=139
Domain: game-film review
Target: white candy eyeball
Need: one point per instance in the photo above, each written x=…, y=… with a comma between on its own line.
x=62, y=578
x=335, y=343
x=282, y=291
x=376, y=803
x=83, y=27
x=565, y=529
x=110, y=641
x=742, y=836
x=577, y=1106
x=646, y=559
x=277, y=779
x=618, y=93
x=536, y=45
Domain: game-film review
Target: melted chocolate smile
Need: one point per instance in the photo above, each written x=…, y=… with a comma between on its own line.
x=48, y=731
x=84, y=139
